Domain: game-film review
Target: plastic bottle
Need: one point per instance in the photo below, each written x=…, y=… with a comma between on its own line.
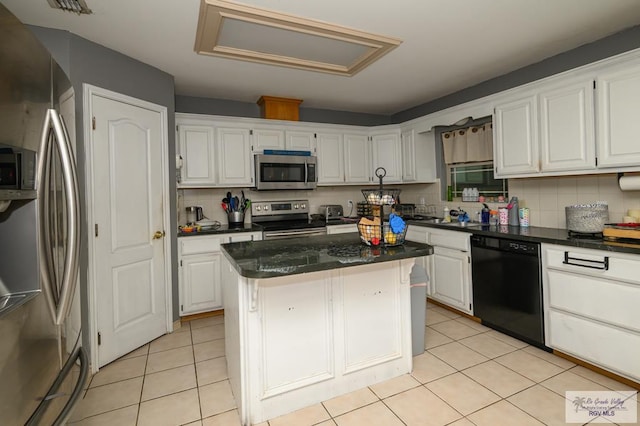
x=513, y=212
x=449, y=193
x=485, y=214
x=446, y=217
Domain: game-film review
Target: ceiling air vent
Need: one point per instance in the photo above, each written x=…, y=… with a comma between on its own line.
x=76, y=6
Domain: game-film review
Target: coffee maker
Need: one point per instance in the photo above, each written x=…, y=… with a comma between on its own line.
x=194, y=214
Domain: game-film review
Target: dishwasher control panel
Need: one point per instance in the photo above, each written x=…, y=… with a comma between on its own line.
x=503, y=244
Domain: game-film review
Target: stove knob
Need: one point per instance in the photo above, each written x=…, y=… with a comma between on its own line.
x=258, y=208
x=295, y=206
x=303, y=206
x=266, y=208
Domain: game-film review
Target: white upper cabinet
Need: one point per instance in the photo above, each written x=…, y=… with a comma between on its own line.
x=330, y=153
x=386, y=152
x=567, y=127
x=515, y=137
x=357, y=162
x=408, y=145
x=618, y=98
x=234, y=156
x=196, y=147
x=267, y=139
x=300, y=140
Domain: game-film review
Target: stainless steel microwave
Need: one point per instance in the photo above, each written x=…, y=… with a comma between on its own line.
x=17, y=173
x=274, y=171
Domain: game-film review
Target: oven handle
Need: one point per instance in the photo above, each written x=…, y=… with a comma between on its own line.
x=286, y=234
x=602, y=265
x=306, y=172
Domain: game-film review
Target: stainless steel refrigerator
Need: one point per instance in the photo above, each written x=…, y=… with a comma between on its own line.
x=43, y=367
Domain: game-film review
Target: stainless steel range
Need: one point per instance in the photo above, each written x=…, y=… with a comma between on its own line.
x=285, y=219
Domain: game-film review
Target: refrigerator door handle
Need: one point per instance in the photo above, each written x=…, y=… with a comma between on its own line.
x=70, y=182
x=44, y=238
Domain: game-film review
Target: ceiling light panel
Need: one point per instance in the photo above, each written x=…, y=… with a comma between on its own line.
x=241, y=32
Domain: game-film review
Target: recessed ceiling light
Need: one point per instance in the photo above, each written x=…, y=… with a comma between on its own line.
x=77, y=6
x=242, y=32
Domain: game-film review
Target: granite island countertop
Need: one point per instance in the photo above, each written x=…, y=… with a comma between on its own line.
x=290, y=256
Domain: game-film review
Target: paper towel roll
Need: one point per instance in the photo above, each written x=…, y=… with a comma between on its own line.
x=629, y=183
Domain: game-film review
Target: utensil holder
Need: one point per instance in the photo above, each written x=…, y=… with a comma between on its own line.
x=236, y=218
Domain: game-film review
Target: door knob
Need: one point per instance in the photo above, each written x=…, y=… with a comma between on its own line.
x=158, y=235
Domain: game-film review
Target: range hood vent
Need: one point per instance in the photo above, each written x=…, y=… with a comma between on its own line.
x=76, y=6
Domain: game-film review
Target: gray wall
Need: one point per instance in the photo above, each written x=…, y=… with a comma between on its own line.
x=195, y=105
x=88, y=62
x=623, y=41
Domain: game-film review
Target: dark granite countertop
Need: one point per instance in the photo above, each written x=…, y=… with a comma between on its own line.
x=539, y=235
x=290, y=256
x=223, y=229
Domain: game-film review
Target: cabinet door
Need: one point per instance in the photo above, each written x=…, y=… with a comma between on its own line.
x=200, y=283
x=419, y=234
x=386, y=153
x=357, y=163
x=234, y=157
x=450, y=278
x=330, y=158
x=267, y=139
x=197, y=149
x=408, y=146
x=618, y=97
x=566, y=128
x=515, y=135
x=300, y=140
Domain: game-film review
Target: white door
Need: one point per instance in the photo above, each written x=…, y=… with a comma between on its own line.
x=129, y=257
x=408, y=144
x=298, y=140
x=330, y=158
x=197, y=150
x=234, y=157
x=451, y=278
x=515, y=131
x=267, y=139
x=357, y=164
x=387, y=154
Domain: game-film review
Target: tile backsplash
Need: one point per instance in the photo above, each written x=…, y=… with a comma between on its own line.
x=546, y=197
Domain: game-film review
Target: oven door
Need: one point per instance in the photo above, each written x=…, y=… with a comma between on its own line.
x=310, y=232
x=285, y=172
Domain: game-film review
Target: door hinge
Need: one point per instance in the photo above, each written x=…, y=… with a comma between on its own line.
x=182, y=308
x=596, y=161
x=251, y=132
x=99, y=338
x=469, y=306
x=93, y=123
x=96, y=229
x=181, y=263
x=594, y=84
x=315, y=136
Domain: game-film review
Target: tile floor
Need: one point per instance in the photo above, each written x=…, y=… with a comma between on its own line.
x=469, y=375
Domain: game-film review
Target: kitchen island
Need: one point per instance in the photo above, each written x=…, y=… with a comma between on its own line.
x=308, y=319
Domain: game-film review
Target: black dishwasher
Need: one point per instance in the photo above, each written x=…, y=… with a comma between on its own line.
x=507, y=287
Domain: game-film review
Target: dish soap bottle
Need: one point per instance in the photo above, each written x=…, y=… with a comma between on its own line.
x=513, y=212
x=446, y=216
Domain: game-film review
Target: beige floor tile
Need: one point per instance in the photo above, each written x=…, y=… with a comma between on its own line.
x=427, y=367
x=175, y=409
x=228, y=418
x=462, y=422
x=171, y=358
x=569, y=381
x=329, y=422
x=458, y=356
x=121, y=369
x=530, y=366
x=599, y=378
x=376, y=414
x=141, y=351
x=196, y=423
x=205, y=334
x=473, y=324
x=487, y=345
x=184, y=327
x=394, y=386
x=169, y=381
x=216, y=398
x=462, y=393
x=550, y=357
x=446, y=312
x=433, y=338
x=211, y=370
x=502, y=413
x=421, y=407
x=170, y=341
x=454, y=329
x=543, y=404
x=434, y=317
x=205, y=322
x=109, y=397
x=498, y=378
x=304, y=417
x=122, y=417
x=350, y=401
x=209, y=350
x=507, y=339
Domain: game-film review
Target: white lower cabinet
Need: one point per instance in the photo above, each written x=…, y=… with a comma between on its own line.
x=199, y=258
x=591, y=306
x=420, y=234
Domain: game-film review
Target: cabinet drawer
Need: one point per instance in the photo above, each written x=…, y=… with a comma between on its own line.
x=451, y=239
x=603, y=300
x=620, y=266
x=204, y=244
x=614, y=349
x=417, y=234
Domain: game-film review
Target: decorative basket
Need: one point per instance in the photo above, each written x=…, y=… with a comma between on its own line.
x=381, y=197
x=381, y=234
x=587, y=218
